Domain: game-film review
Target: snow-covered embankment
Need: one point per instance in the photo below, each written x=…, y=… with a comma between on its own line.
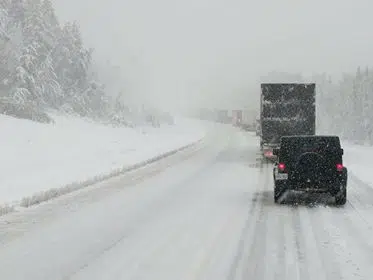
x=42, y=161
x=358, y=160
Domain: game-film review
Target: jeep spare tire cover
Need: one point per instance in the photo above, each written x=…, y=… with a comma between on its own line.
x=311, y=164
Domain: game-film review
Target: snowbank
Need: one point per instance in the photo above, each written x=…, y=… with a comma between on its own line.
x=358, y=160
x=35, y=158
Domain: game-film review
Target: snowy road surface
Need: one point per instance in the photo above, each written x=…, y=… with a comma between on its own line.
x=211, y=216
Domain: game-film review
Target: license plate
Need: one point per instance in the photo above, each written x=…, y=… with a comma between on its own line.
x=281, y=176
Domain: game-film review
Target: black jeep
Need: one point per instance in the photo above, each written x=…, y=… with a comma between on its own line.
x=310, y=163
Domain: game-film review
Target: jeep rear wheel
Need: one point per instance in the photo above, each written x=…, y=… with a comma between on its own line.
x=278, y=191
x=341, y=197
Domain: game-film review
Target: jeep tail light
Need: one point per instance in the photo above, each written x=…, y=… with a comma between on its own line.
x=281, y=166
x=339, y=167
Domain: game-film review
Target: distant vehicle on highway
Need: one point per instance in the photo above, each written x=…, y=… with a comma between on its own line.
x=237, y=117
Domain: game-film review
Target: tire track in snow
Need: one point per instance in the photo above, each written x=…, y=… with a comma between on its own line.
x=244, y=262
x=246, y=236
x=294, y=259
x=279, y=269
x=273, y=263
x=312, y=255
x=325, y=241
x=254, y=261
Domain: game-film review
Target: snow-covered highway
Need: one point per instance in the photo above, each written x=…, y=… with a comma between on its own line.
x=205, y=214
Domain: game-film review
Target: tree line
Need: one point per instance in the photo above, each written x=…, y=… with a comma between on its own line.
x=345, y=106
x=44, y=64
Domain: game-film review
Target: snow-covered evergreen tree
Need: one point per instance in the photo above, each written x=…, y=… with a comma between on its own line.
x=46, y=65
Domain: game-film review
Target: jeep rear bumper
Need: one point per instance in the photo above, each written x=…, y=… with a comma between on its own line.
x=332, y=187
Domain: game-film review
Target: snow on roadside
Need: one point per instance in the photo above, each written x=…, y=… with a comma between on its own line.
x=38, y=157
x=358, y=160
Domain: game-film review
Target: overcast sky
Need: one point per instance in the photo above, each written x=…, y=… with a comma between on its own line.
x=222, y=46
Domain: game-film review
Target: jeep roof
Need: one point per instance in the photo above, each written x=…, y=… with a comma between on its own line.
x=327, y=139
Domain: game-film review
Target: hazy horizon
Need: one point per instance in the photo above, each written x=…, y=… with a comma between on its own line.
x=195, y=51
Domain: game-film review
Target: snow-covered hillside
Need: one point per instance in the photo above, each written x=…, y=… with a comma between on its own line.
x=37, y=157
